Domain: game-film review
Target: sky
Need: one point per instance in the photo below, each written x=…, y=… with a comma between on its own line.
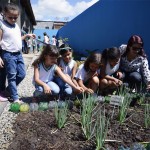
x=59, y=10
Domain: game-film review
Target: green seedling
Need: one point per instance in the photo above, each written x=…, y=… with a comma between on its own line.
x=61, y=115
x=101, y=129
x=87, y=123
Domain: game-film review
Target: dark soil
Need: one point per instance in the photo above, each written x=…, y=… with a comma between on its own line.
x=38, y=131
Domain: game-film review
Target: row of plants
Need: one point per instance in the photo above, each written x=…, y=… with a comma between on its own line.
x=93, y=119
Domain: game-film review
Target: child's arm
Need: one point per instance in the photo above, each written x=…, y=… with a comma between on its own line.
x=86, y=89
x=74, y=70
x=46, y=88
x=67, y=80
x=108, y=77
x=28, y=35
x=1, y=61
x=115, y=80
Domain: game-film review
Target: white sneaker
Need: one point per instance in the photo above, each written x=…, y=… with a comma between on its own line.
x=3, y=99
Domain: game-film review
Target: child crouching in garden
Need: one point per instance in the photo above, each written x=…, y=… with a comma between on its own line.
x=68, y=67
x=87, y=74
x=110, y=76
x=44, y=71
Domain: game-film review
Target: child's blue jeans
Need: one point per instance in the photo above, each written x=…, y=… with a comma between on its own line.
x=53, y=86
x=2, y=79
x=64, y=87
x=15, y=71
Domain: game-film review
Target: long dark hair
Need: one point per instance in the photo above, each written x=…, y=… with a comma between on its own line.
x=135, y=39
x=50, y=50
x=111, y=53
x=94, y=57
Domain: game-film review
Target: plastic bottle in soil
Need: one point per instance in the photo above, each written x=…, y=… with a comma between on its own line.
x=52, y=104
x=24, y=107
x=61, y=104
x=34, y=106
x=98, y=98
x=43, y=106
x=14, y=107
x=77, y=103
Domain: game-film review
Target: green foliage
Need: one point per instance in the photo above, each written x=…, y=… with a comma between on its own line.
x=125, y=104
x=147, y=116
x=64, y=40
x=107, y=99
x=61, y=115
x=101, y=129
x=88, y=105
x=124, y=109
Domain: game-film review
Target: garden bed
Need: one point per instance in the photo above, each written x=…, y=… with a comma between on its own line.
x=38, y=130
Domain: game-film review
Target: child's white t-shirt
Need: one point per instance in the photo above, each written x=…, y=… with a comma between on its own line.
x=81, y=73
x=46, y=39
x=67, y=68
x=11, y=37
x=111, y=70
x=46, y=74
x=29, y=42
x=54, y=41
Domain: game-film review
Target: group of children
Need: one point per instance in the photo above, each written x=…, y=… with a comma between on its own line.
x=55, y=71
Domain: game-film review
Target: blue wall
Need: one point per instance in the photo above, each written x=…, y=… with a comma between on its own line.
x=108, y=23
x=50, y=33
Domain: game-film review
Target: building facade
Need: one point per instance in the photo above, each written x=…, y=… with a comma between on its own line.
x=56, y=25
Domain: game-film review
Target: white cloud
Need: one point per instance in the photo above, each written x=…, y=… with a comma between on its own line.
x=59, y=9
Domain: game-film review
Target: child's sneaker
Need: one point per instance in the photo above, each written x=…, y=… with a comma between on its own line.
x=3, y=99
x=18, y=101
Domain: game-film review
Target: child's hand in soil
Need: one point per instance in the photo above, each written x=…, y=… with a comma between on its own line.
x=78, y=90
x=47, y=89
x=88, y=90
x=117, y=82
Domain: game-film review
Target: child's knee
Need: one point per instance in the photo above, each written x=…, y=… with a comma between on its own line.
x=68, y=91
x=103, y=83
x=55, y=90
x=95, y=80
